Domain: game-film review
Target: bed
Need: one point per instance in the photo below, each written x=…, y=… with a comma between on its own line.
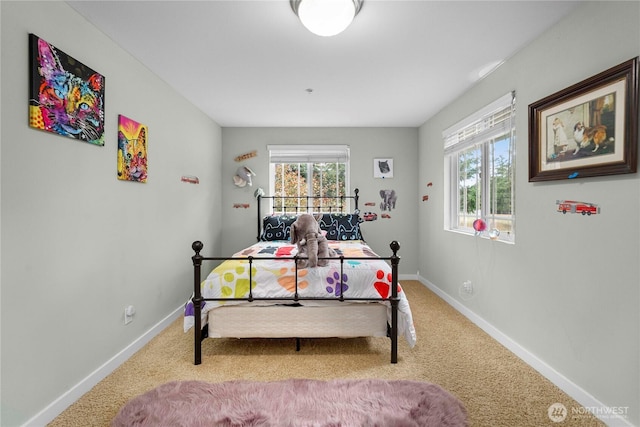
x=260, y=292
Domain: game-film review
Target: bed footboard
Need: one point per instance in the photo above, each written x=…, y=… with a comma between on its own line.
x=198, y=300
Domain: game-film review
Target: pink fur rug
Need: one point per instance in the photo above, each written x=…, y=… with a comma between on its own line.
x=294, y=402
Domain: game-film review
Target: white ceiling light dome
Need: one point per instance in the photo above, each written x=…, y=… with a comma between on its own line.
x=326, y=17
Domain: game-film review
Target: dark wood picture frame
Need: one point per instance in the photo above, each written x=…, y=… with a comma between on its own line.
x=588, y=129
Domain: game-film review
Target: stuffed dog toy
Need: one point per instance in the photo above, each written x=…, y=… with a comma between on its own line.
x=311, y=243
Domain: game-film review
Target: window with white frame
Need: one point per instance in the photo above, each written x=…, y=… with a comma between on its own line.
x=479, y=168
x=299, y=172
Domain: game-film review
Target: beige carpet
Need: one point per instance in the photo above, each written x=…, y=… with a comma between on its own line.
x=497, y=388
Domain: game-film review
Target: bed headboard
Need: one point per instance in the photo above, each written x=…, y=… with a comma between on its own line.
x=306, y=204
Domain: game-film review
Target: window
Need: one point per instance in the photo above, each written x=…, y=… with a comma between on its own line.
x=319, y=171
x=479, y=167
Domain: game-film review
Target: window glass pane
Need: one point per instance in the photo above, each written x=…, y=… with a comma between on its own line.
x=501, y=185
x=326, y=182
x=290, y=181
x=469, y=186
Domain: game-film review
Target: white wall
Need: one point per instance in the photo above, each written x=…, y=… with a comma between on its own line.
x=240, y=228
x=568, y=290
x=77, y=244
x=86, y=244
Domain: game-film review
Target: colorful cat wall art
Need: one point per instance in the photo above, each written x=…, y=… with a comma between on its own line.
x=65, y=96
x=132, y=150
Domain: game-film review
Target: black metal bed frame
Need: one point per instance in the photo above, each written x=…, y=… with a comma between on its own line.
x=337, y=206
x=198, y=299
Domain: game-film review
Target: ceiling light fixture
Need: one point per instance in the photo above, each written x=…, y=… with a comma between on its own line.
x=326, y=17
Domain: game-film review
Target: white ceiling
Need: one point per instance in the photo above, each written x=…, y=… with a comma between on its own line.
x=251, y=63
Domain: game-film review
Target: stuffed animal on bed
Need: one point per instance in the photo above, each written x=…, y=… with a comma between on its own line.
x=311, y=242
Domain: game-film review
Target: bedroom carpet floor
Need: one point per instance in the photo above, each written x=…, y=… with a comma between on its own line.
x=496, y=387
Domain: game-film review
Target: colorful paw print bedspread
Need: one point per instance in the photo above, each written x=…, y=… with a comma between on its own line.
x=276, y=278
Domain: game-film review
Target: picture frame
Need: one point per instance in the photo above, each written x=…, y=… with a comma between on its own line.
x=588, y=129
x=383, y=167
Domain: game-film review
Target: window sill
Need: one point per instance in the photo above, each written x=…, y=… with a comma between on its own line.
x=484, y=235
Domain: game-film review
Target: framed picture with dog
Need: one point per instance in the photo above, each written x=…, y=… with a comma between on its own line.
x=588, y=129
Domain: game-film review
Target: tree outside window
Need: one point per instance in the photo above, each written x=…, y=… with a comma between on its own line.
x=316, y=184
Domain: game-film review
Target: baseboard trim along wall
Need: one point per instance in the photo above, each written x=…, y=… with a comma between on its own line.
x=572, y=389
x=56, y=407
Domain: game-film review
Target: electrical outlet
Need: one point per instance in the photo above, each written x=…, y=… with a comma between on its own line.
x=467, y=286
x=129, y=311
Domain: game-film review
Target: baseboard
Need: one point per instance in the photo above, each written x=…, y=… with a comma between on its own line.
x=55, y=408
x=576, y=392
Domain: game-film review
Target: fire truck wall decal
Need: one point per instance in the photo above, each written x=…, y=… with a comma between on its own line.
x=572, y=206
